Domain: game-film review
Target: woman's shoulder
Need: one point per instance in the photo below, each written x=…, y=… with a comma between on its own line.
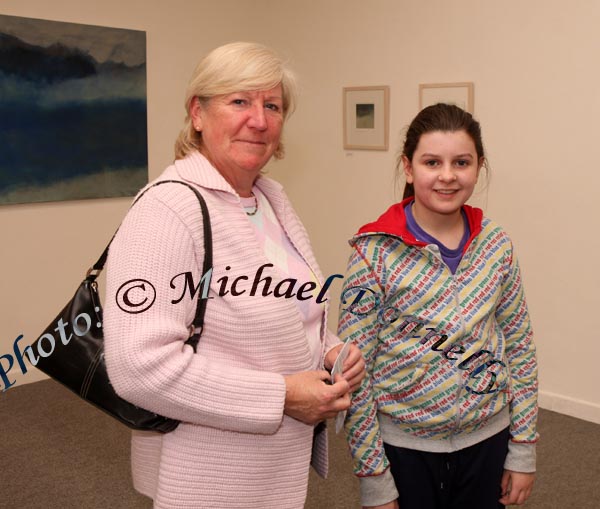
x=171, y=191
x=164, y=204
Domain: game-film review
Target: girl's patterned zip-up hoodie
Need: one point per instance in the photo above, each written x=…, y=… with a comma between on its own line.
x=450, y=357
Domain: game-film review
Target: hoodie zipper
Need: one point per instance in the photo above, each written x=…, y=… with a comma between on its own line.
x=463, y=328
x=434, y=250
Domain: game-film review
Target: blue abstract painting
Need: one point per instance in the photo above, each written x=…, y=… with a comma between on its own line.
x=73, y=121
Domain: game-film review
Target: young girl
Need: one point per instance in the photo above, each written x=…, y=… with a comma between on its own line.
x=446, y=417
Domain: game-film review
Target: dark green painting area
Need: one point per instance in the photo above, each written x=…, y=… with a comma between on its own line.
x=72, y=111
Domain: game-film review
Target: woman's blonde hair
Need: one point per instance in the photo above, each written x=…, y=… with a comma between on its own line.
x=235, y=67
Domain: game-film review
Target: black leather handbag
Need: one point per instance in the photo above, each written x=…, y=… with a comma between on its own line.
x=77, y=361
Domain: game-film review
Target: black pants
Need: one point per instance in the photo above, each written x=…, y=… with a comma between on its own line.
x=465, y=479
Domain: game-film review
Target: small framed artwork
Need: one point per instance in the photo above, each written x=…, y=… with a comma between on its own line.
x=460, y=94
x=366, y=118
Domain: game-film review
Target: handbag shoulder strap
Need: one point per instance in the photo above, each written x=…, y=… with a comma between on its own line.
x=198, y=322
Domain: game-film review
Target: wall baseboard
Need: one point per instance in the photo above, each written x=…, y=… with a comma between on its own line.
x=569, y=406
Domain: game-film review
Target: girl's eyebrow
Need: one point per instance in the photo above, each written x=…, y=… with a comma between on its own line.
x=467, y=154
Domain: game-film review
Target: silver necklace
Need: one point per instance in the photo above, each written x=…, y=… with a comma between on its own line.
x=255, y=205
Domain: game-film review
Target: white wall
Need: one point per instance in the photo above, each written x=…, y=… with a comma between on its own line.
x=534, y=65
x=535, y=70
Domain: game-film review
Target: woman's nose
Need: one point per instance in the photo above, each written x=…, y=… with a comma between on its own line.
x=258, y=119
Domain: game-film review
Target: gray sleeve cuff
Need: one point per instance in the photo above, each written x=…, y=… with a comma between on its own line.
x=378, y=489
x=520, y=457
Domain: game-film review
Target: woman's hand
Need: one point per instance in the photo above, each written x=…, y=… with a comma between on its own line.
x=516, y=487
x=353, y=369
x=390, y=505
x=308, y=398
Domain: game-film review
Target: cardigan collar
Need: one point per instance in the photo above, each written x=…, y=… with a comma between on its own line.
x=197, y=169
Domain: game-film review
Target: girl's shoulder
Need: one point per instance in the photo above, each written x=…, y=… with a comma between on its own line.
x=492, y=231
x=492, y=242
x=389, y=231
x=379, y=245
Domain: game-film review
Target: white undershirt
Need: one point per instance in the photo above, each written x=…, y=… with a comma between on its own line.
x=287, y=260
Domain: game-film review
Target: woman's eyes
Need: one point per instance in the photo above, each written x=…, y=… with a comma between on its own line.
x=275, y=108
x=244, y=102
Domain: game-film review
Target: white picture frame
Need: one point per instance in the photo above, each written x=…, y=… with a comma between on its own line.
x=366, y=117
x=461, y=94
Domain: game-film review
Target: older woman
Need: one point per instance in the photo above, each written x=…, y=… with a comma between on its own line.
x=251, y=397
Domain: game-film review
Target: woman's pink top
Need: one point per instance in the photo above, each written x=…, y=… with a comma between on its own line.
x=234, y=447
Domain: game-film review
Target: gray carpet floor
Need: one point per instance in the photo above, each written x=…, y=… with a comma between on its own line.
x=58, y=452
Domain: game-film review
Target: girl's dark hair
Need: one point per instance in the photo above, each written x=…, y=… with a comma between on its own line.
x=439, y=117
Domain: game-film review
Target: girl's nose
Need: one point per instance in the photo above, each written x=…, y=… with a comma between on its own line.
x=447, y=174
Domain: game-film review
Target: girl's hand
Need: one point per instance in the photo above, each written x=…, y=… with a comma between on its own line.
x=390, y=505
x=516, y=487
x=353, y=369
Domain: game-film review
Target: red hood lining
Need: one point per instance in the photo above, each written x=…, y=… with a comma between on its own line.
x=393, y=222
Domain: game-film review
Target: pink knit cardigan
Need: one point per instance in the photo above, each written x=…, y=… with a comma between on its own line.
x=234, y=447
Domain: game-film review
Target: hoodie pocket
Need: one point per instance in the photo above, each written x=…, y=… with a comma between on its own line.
x=405, y=379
